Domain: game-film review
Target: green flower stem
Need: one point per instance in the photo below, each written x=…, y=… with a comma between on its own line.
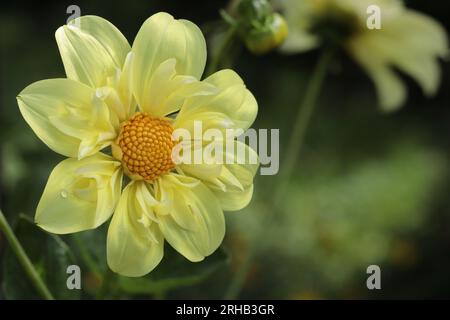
x=239, y=278
x=301, y=125
x=86, y=256
x=224, y=46
x=23, y=259
x=295, y=145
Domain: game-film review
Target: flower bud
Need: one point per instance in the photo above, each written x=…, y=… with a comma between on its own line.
x=268, y=37
x=254, y=10
x=260, y=28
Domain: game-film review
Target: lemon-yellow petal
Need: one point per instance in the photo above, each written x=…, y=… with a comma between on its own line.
x=391, y=91
x=135, y=245
x=190, y=216
x=232, y=107
x=299, y=41
x=67, y=116
x=160, y=38
x=167, y=90
x=92, y=50
x=298, y=15
x=420, y=32
x=409, y=41
x=413, y=42
x=80, y=194
x=231, y=180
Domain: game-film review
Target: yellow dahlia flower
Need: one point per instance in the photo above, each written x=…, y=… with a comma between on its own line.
x=407, y=40
x=94, y=108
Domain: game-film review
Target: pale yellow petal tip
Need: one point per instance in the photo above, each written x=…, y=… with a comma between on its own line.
x=162, y=37
x=19, y=100
x=47, y=228
x=387, y=109
x=162, y=13
x=192, y=258
x=50, y=229
x=391, y=105
x=158, y=15
x=60, y=34
x=133, y=268
x=197, y=260
x=38, y=224
x=129, y=271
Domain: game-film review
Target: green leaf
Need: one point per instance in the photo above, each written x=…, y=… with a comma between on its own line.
x=174, y=272
x=49, y=254
x=90, y=247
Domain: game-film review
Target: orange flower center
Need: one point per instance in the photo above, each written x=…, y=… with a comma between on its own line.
x=145, y=147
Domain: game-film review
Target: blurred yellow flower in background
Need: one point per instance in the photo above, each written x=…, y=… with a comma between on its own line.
x=407, y=40
x=95, y=108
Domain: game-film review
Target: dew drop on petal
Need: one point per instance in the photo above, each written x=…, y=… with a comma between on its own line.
x=64, y=194
x=99, y=93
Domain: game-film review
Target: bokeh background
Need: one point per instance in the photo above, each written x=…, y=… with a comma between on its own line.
x=369, y=188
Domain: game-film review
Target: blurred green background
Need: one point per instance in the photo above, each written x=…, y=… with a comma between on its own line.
x=370, y=188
